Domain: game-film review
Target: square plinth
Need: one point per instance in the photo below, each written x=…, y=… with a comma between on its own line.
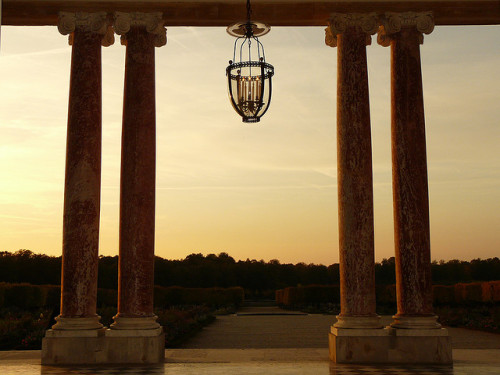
x=358, y=345
x=77, y=348
x=390, y=345
x=73, y=347
x=135, y=348
x=431, y=346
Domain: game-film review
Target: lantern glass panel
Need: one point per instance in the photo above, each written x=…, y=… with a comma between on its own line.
x=249, y=88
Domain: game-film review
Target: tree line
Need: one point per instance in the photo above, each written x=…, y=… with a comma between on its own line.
x=222, y=270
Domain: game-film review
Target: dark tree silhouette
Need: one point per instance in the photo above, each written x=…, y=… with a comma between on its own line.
x=258, y=278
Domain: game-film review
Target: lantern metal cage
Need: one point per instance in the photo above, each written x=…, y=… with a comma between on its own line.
x=248, y=74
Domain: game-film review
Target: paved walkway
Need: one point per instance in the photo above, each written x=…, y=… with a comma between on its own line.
x=271, y=327
x=263, y=328
x=260, y=341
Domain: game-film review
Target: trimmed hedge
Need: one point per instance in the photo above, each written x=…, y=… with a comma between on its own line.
x=443, y=294
x=279, y=297
x=458, y=294
x=308, y=295
x=22, y=295
x=214, y=297
x=27, y=296
x=490, y=291
x=495, y=291
x=385, y=294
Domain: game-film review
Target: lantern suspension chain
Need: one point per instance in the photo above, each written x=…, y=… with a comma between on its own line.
x=250, y=53
x=249, y=11
x=249, y=32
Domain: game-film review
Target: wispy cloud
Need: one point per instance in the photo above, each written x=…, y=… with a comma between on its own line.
x=225, y=184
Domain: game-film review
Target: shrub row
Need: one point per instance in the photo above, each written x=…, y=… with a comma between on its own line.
x=214, y=297
x=308, y=295
x=485, y=292
x=27, y=296
x=24, y=329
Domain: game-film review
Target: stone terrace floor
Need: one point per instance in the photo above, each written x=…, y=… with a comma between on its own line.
x=264, y=341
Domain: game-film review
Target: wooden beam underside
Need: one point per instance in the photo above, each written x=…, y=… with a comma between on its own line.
x=273, y=12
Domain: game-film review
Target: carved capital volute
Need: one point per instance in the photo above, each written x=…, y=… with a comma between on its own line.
x=392, y=23
x=153, y=22
x=340, y=22
x=97, y=23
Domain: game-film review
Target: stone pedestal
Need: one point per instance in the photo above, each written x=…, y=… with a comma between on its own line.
x=432, y=346
x=390, y=345
x=135, y=346
x=73, y=347
x=358, y=345
x=103, y=346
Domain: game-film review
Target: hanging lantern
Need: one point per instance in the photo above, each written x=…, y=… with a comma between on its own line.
x=248, y=74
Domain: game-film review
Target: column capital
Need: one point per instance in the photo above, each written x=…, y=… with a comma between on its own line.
x=392, y=23
x=97, y=23
x=340, y=22
x=153, y=22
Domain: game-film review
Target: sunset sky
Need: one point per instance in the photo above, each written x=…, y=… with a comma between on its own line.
x=258, y=191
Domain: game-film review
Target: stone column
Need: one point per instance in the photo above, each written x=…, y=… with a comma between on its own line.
x=350, y=33
x=403, y=32
x=355, y=337
x=77, y=335
x=83, y=171
x=140, y=33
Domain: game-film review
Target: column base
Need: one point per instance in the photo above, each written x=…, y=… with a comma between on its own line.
x=142, y=323
x=415, y=322
x=390, y=345
x=358, y=322
x=77, y=324
x=64, y=347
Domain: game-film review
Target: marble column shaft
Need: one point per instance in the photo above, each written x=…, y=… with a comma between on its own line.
x=83, y=175
x=410, y=186
x=354, y=171
x=137, y=198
